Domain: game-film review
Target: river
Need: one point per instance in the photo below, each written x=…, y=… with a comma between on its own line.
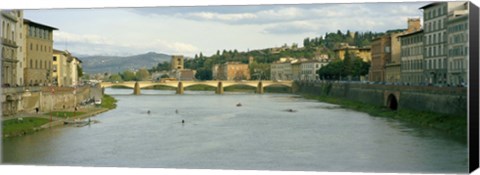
x=259, y=135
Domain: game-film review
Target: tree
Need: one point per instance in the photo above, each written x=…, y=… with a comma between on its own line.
x=79, y=71
x=142, y=75
x=115, y=78
x=128, y=75
x=203, y=74
x=347, y=63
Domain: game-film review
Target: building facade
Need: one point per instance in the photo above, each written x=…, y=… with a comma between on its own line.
x=176, y=62
x=392, y=65
x=380, y=54
x=231, y=71
x=308, y=69
x=10, y=60
x=412, y=62
x=39, y=49
x=435, y=40
x=282, y=69
x=363, y=53
x=10, y=45
x=59, y=67
x=457, y=38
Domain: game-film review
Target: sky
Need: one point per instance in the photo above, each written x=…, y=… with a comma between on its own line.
x=191, y=30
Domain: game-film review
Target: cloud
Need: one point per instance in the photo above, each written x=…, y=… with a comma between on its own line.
x=297, y=27
x=89, y=44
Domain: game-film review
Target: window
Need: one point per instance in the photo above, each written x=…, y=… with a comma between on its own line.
x=54, y=58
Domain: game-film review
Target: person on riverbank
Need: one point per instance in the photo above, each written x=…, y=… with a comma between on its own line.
x=36, y=110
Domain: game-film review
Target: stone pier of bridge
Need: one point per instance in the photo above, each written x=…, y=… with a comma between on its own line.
x=219, y=89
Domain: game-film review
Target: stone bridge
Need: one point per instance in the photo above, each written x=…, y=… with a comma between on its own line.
x=181, y=85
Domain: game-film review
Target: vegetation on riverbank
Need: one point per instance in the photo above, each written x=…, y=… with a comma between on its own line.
x=64, y=114
x=456, y=126
x=108, y=102
x=26, y=125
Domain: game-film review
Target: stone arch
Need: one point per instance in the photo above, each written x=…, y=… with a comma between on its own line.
x=392, y=102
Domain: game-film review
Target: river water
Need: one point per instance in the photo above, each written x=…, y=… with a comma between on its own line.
x=259, y=135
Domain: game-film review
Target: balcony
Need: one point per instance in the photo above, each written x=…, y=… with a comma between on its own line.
x=8, y=42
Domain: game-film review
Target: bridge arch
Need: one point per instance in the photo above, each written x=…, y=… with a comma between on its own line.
x=118, y=86
x=392, y=102
x=157, y=84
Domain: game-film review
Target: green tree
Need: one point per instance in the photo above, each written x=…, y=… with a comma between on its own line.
x=115, y=78
x=142, y=75
x=347, y=63
x=128, y=75
x=203, y=74
x=79, y=71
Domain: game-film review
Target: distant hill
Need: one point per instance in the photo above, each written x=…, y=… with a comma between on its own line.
x=115, y=64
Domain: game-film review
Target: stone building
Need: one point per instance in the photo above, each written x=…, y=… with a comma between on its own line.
x=176, y=62
x=392, y=66
x=381, y=50
x=231, y=71
x=363, y=53
x=10, y=60
x=75, y=64
x=282, y=69
x=411, y=57
x=435, y=17
x=65, y=69
x=59, y=67
x=457, y=41
x=39, y=49
x=10, y=46
x=308, y=69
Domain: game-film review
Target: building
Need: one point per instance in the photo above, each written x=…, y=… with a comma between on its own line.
x=11, y=60
x=308, y=69
x=231, y=71
x=457, y=43
x=363, y=53
x=411, y=57
x=10, y=46
x=59, y=67
x=392, y=65
x=39, y=48
x=176, y=62
x=75, y=68
x=186, y=75
x=435, y=17
x=380, y=53
x=282, y=69
x=65, y=69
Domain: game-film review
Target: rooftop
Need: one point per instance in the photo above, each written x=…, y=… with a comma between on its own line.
x=26, y=21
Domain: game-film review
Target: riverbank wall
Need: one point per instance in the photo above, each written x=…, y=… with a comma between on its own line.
x=443, y=100
x=50, y=99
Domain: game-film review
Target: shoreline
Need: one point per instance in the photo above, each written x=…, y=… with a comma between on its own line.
x=56, y=121
x=452, y=125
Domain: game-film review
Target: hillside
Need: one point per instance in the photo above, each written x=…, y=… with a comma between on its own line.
x=115, y=64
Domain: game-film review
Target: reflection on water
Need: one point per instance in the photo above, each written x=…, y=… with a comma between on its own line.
x=259, y=135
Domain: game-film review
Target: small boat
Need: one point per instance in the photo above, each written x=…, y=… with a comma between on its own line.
x=239, y=104
x=291, y=110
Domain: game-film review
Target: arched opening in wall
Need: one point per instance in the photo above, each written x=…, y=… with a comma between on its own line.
x=392, y=102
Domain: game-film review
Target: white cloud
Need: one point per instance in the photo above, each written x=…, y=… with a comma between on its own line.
x=90, y=44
